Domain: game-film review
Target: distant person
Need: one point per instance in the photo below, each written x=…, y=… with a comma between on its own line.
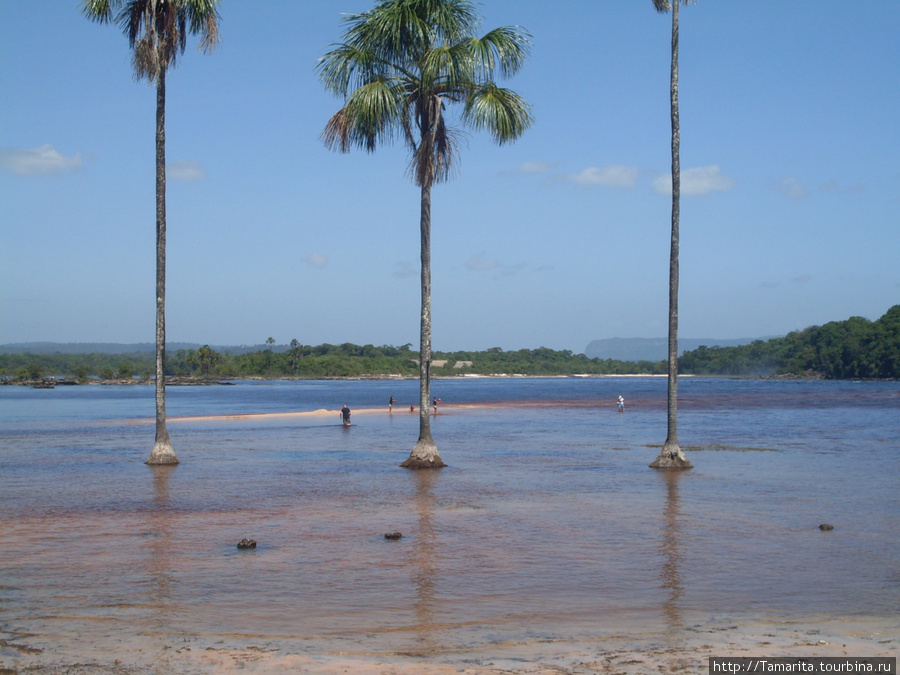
x=412, y=408
x=434, y=402
x=345, y=415
x=391, y=404
x=621, y=404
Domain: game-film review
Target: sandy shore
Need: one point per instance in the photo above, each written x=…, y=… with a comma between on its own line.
x=687, y=651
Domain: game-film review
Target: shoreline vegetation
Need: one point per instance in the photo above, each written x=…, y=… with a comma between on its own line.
x=856, y=349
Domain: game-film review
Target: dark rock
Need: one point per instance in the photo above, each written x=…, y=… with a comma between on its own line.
x=825, y=527
x=247, y=543
x=393, y=535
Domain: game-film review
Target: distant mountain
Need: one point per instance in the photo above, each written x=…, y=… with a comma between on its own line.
x=122, y=348
x=652, y=349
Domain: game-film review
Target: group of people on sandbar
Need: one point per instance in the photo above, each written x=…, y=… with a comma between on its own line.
x=345, y=411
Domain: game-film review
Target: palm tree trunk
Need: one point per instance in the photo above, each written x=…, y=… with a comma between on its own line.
x=425, y=454
x=671, y=455
x=162, y=452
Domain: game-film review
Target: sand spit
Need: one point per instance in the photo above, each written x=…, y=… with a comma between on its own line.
x=444, y=408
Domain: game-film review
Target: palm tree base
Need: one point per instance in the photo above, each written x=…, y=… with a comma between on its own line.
x=671, y=457
x=424, y=455
x=162, y=453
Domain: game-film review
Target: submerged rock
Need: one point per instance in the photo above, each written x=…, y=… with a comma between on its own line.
x=247, y=543
x=825, y=527
x=393, y=535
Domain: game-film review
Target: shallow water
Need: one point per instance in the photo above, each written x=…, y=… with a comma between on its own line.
x=546, y=525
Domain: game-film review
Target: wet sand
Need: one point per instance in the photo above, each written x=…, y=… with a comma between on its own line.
x=324, y=413
x=686, y=651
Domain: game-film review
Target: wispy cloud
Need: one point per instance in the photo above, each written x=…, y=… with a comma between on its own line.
x=483, y=265
x=616, y=176
x=480, y=264
x=534, y=167
x=404, y=270
x=791, y=187
x=185, y=171
x=832, y=186
x=799, y=280
x=317, y=260
x=43, y=160
x=696, y=182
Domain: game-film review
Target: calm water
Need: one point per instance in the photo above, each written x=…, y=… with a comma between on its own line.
x=547, y=523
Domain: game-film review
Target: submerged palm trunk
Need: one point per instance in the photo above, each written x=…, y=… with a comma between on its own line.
x=671, y=455
x=162, y=452
x=425, y=454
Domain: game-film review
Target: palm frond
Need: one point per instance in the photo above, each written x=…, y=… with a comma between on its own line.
x=345, y=65
x=448, y=69
x=97, y=10
x=145, y=60
x=369, y=115
x=504, y=49
x=203, y=19
x=502, y=112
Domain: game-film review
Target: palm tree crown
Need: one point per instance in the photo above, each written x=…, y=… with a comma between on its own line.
x=157, y=30
x=402, y=62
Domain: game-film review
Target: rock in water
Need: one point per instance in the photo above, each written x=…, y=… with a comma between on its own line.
x=393, y=535
x=825, y=527
x=247, y=543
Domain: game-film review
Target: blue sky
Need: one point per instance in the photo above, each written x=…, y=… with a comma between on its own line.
x=790, y=182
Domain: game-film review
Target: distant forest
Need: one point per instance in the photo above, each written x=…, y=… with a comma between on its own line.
x=840, y=350
x=853, y=349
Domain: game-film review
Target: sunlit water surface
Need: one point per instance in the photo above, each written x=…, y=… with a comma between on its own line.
x=547, y=524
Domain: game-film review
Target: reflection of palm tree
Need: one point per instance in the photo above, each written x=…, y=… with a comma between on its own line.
x=423, y=559
x=670, y=550
x=160, y=563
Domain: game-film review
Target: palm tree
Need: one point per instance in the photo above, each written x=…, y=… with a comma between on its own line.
x=671, y=456
x=400, y=66
x=157, y=31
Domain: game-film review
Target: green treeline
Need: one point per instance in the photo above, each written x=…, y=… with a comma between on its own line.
x=840, y=350
x=305, y=361
x=853, y=349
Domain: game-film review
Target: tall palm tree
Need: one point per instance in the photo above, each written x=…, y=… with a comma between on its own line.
x=671, y=456
x=157, y=31
x=400, y=66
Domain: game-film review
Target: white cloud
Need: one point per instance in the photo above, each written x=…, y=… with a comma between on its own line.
x=792, y=187
x=696, y=182
x=186, y=171
x=43, y=160
x=609, y=176
x=478, y=263
x=317, y=260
